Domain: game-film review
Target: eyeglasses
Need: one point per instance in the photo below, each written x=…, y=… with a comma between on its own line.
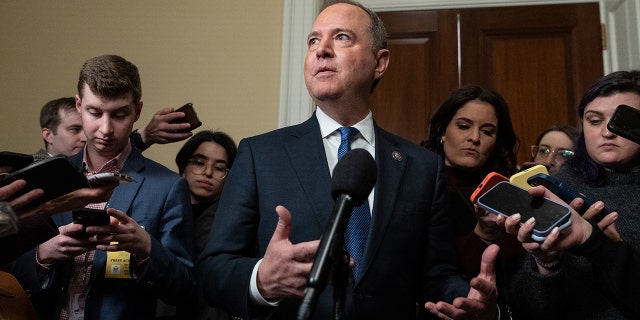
x=542, y=152
x=198, y=166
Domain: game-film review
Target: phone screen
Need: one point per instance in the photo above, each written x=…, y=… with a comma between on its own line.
x=90, y=217
x=625, y=122
x=507, y=199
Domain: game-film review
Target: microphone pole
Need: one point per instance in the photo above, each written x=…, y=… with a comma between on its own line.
x=329, y=253
x=353, y=179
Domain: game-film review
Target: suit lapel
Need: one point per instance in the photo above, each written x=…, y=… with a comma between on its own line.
x=390, y=174
x=124, y=194
x=306, y=152
x=121, y=199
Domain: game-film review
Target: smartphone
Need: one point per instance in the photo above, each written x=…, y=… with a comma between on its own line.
x=190, y=117
x=109, y=177
x=625, y=122
x=520, y=178
x=487, y=183
x=565, y=193
x=90, y=217
x=15, y=160
x=56, y=176
x=507, y=199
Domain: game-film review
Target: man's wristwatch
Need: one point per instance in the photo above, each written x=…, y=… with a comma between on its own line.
x=136, y=141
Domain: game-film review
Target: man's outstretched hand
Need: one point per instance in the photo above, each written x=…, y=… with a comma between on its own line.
x=481, y=302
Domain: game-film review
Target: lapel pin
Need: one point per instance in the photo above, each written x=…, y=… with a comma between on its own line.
x=396, y=156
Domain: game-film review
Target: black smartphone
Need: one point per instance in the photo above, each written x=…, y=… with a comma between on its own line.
x=90, y=217
x=625, y=122
x=56, y=176
x=190, y=117
x=564, y=192
x=15, y=160
x=507, y=199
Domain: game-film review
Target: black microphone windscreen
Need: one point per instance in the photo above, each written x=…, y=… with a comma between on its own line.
x=355, y=174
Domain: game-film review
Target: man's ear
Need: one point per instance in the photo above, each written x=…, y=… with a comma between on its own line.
x=382, y=61
x=78, y=103
x=138, y=110
x=47, y=135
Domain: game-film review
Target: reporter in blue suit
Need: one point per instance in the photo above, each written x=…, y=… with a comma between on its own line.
x=282, y=181
x=91, y=277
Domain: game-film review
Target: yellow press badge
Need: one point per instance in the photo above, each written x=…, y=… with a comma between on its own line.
x=118, y=264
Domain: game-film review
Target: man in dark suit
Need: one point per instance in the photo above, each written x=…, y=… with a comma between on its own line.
x=282, y=181
x=120, y=270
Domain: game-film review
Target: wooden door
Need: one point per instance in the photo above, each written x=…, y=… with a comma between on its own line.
x=540, y=58
x=419, y=75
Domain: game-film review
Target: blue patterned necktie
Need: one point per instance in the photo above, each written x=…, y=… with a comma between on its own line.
x=356, y=235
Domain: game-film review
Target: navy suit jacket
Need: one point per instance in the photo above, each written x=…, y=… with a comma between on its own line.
x=409, y=255
x=158, y=199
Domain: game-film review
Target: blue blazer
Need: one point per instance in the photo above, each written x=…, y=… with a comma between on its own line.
x=158, y=199
x=410, y=253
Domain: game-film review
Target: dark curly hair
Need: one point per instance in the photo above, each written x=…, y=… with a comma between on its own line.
x=503, y=156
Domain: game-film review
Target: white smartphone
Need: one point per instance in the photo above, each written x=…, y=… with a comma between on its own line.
x=109, y=177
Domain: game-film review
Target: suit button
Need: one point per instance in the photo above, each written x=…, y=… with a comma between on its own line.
x=357, y=297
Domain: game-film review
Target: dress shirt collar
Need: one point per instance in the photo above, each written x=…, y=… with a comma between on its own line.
x=329, y=127
x=120, y=158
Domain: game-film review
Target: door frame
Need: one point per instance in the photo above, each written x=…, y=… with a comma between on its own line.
x=296, y=106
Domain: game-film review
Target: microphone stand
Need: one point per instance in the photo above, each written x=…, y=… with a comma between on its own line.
x=339, y=281
x=330, y=254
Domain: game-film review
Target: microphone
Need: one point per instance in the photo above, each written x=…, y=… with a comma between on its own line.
x=353, y=179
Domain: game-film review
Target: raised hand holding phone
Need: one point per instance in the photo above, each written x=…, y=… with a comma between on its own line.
x=190, y=117
x=565, y=193
x=507, y=199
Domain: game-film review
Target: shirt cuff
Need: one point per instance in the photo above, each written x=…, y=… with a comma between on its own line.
x=254, y=293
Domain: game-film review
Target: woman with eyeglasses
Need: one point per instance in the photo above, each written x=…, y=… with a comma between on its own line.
x=204, y=161
x=553, y=147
